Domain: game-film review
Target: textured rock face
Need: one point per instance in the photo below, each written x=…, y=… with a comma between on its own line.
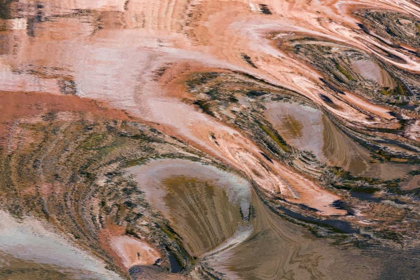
x=209, y=139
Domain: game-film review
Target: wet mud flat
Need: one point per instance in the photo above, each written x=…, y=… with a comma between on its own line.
x=295, y=131
x=205, y=205
x=265, y=139
x=307, y=128
x=186, y=192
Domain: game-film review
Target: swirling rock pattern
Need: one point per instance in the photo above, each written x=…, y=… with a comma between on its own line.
x=209, y=139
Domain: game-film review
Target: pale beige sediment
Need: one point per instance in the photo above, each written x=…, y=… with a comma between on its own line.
x=114, y=53
x=134, y=252
x=119, y=61
x=35, y=241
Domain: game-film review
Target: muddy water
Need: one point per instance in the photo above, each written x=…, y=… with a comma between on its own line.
x=201, y=208
x=206, y=207
x=286, y=251
x=307, y=128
